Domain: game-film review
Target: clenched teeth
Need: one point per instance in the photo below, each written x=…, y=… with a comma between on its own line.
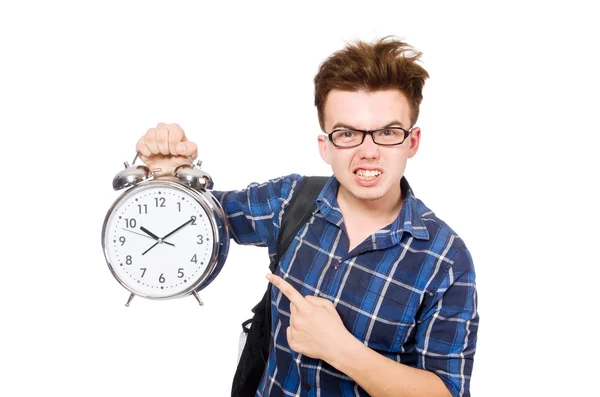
x=367, y=173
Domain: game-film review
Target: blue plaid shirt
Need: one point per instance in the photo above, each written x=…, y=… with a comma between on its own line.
x=407, y=291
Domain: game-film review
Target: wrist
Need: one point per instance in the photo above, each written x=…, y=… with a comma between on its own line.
x=342, y=350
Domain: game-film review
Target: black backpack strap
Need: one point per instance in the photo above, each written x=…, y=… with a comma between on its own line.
x=256, y=350
x=297, y=213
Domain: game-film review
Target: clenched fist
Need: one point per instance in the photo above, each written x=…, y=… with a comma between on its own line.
x=166, y=147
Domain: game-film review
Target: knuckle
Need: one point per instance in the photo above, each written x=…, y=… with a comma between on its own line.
x=161, y=135
x=141, y=147
x=174, y=139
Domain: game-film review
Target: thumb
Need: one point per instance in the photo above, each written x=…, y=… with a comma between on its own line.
x=187, y=149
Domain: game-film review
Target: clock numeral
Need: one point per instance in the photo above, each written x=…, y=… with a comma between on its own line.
x=200, y=240
x=128, y=260
x=194, y=221
x=161, y=279
x=161, y=200
x=145, y=208
x=179, y=206
x=130, y=223
x=122, y=239
x=143, y=269
x=180, y=273
x=194, y=259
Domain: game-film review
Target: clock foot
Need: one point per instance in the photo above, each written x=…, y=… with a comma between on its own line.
x=129, y=300
x=197, y=298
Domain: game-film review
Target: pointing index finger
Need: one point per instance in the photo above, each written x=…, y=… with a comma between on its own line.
x=290, y=292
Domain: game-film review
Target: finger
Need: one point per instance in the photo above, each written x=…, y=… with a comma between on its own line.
x=150, y=141
x=290, y=292
x=193, y=149
x=143, y=148
x=173, y=127
x=315, y=300
x=175, y=137
x=162, y=139
x=187, y=149
x=288, y=333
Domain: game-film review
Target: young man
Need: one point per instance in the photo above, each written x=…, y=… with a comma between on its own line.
x=375, y=295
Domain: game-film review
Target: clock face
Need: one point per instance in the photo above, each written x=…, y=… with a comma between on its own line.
x=158, y=240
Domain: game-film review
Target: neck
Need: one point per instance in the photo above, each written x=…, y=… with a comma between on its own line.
x=385, y=208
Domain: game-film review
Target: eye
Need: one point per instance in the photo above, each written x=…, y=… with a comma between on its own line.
x=388, y=132
x=344, y=134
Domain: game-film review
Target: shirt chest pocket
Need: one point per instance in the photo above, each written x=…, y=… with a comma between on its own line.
x=379, y=312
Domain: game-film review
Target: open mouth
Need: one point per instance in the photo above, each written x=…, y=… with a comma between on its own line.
x=367, y=174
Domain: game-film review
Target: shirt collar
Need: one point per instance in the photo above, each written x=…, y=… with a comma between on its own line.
x=408, y=219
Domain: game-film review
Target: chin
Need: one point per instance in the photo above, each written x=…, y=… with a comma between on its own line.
x=367, y=194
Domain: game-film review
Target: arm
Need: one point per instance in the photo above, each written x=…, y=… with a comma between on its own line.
x=254, y=214
x=446, y=334
x=380, y=376
x=444, y=339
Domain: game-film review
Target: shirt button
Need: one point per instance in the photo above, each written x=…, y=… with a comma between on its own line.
x=336, y=267
x=307, y=387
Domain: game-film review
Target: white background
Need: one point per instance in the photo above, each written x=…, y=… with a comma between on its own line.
x=508, y=158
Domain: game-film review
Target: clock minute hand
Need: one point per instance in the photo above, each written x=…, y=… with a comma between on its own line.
x=167, y=235
x=179, y=228
x=154, y=245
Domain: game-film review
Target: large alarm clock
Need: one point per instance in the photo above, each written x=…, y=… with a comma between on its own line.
x=165, y=237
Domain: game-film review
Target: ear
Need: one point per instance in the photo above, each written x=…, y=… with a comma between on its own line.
x=415, y=139
x=323, y=149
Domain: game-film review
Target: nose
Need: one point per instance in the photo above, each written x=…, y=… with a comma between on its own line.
x=369, y=149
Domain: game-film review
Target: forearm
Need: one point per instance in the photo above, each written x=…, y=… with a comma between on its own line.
x=254, y=212
x=381, y=377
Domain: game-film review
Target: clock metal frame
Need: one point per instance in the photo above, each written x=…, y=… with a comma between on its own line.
x=220, y=231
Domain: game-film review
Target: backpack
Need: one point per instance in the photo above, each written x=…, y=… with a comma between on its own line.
x=255, y=353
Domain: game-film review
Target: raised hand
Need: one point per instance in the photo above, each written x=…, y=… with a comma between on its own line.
x=166, y=147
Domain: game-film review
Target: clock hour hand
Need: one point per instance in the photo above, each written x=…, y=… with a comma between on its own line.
x=162, y=240
x=154, y=236
x=143, y=235
x=149, y=233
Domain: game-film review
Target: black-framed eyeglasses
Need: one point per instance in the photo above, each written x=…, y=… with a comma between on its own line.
x=350, y=137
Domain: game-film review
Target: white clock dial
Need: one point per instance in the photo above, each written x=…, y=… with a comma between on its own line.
x=159, y=241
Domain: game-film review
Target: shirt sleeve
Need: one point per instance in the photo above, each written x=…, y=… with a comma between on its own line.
x=447, y=333
x=254, y=214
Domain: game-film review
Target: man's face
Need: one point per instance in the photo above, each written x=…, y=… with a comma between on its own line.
x=368, y=171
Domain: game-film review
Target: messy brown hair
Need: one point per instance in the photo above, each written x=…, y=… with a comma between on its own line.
x=386, y=64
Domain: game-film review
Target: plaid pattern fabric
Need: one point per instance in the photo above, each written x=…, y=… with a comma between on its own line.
x=407, y=292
